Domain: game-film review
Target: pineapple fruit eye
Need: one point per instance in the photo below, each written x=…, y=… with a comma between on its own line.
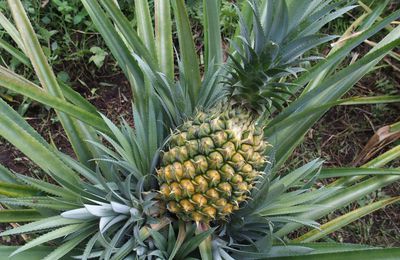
x=210, y=165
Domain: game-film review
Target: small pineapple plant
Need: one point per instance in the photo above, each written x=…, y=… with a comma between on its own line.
x=200, y=174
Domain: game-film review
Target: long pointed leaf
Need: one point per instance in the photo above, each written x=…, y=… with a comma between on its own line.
x=12, y=81
x=19, y=215
x=145, y=26
x=47, y=78
x=163, y=28
x=187, y=49
x=212, y=40
x=344, y=220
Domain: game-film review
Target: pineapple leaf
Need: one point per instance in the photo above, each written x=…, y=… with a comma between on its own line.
x=14, y=52
x=145, y=26
x=192, y=243
x=57, y=233
x=19, y=215
x=188, y=54
x=330, y=90
x=348, y=253
x=12, y=31
x=16, y=190
x=7, y=176
x=71, y=244
x=73, y=129
x=34, y=253
x=46, y=187
x=43, y=224
x=22, y=86
x=212, y=38
x=344, y=220
x=38, y=202
x=133, y=41
x=163, y=31
x=115, y=43
x=19, y=133
x=341, y=199
x=345, y=49
x=350, y=172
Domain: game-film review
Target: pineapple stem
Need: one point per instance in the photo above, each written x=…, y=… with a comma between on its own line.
x=205, y=247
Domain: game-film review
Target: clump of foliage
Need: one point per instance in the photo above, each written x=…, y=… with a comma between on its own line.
x=198, y=175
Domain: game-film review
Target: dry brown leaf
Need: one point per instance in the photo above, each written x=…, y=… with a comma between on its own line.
x=378, y=141
x=44, y=3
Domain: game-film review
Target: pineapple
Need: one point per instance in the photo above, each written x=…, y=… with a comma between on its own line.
x=211, y=163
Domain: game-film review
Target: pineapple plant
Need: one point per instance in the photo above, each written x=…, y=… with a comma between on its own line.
x=199, y=175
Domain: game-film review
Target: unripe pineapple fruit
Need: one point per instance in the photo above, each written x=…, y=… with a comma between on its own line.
x=210, y=165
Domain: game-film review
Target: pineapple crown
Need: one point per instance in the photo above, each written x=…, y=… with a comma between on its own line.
x=261, y=59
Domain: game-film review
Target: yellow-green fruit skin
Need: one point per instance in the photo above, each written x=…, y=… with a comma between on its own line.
x=210, y=164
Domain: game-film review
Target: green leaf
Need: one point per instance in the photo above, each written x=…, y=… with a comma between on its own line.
x=44, y=223
x=7, y=176
x=349, y=172
x=75, y=98
x=159, y=240
x=344, y=220
x=376, y=254
x=298, y=174
x=187, y=49
x=19, y=134
x=34, y=253
x=332, y=247
x=16, y=190
x=144, y=25
x=205, y=247
x=285, y=140
x=133, y=41
x=371, y=100
x=98, y=56
x=212, y=33
x=384, y=158
x=192, y=243
x=289, y=210
x=379, y=161
x=163, y=31
x=179, y=240
x=14, y=82
x=341, y=199
x=12, y=31
x=19, y=215
x=332, y=59
x=14, y=52
x=48, y=80
x=52, y=235
x=70, y=245
x=38, y=202
x=171, y=240
x=47, y=187
x=395, y=127
x=114, y=40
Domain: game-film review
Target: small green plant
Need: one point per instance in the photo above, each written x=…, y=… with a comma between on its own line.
x=198, y=177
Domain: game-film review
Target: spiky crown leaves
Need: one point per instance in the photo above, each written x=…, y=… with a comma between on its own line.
x=262, y=58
